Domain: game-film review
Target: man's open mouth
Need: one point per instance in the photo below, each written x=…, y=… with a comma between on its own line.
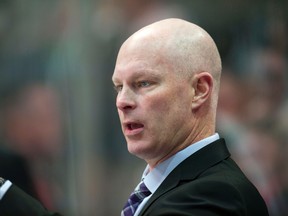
x=133, y=126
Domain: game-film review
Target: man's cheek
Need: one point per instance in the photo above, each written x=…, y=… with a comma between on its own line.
x=161, y=107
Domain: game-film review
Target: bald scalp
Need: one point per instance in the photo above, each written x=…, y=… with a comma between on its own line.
x=185, y=48
x=184, y=45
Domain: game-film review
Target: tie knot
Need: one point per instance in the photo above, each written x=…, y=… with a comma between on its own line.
x=135, y=199
x=142, y=190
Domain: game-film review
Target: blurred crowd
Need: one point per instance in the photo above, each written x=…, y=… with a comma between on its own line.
x=59, y=129
x=31, y=140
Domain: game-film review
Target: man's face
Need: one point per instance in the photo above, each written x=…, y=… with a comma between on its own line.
x=153, y=102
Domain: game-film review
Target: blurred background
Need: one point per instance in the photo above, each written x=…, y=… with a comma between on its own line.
x=60, y=137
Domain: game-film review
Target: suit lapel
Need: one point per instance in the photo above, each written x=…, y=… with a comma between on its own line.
x=191, y=168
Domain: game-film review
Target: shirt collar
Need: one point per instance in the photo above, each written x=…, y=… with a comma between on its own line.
x=154, y=178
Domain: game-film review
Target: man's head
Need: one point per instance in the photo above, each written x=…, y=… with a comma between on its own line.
x=167, y=78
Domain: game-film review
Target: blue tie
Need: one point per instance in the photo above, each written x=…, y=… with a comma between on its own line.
x=135, y=199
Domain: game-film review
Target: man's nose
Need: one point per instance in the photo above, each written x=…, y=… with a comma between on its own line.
x=125, y=100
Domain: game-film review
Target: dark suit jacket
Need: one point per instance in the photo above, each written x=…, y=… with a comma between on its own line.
x=17, y=203
x=208, y=183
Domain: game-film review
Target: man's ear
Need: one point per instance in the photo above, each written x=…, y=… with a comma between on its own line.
x=202, y=84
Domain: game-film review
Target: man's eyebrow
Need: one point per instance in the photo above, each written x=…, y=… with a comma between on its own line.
x=138, y=74
x=141, y=73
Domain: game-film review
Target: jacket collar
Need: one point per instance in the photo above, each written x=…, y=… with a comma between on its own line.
x=191, y=168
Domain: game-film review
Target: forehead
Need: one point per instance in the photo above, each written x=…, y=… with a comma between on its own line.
x=137, y=63
x=142, y=54
x=134, y=69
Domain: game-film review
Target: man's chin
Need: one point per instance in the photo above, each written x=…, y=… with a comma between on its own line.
x=141, y=150
x=137, y=149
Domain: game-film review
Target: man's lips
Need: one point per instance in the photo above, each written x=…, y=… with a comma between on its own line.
x=133, y=128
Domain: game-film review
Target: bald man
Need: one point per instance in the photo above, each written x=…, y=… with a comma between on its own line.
x=167, y=78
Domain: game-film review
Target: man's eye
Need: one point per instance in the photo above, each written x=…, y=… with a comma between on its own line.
x=118, y=88
x=143, y=84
